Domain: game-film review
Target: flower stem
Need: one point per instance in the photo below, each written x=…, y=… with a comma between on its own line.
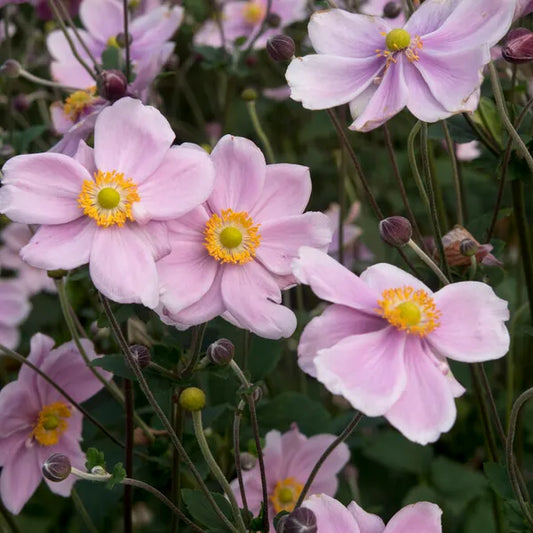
x=455, y=173
x=127, y=40
x=128, y=463
x=196, y=347
x=414, y=166
x=23, y=73
x=237, y=452
x=82, y=511
x=429, y=262
x=252, y=111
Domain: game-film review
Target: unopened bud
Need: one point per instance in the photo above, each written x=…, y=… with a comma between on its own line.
x=273, y=20
x=280, y=48
x=391, y=10
x=247, y=460
x=112, y=85
x=57, y=467
x=518, y=46
x=141, y=354
x=301, y=520
x=121, y=39
x=21, y=102
x=221, y=352
x=396, y=231
x=249, y=94
x=468, y=247
x=192, y=399
x=11, y=68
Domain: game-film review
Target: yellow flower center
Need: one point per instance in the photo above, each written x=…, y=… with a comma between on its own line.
x=78, y=102
x=409, y=310
x=286, y=494
x=253, y=12
x=397, y=39
x=51, y=423
x=112, y=41
x=232, y=237
x=109, y=198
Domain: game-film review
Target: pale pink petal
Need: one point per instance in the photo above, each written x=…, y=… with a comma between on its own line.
x=330, y=281
x=377, y=7
x=240, y=170
x=64, y=246
x=182, y=181
x=472, y=325
x=382, y=276
x=85, y=156
x=235, y=25
x=320, y=81
x=331, y=515
x=103, y=18
x=253, y=298
x=333, y=325
x=286, y=192
x=367, y=369
x=19, y=407
x=289, y=10
x=59, y=47
x=281, y=238
x=422, y=516
x=42, y=188
x=71, y=74
x=14, y=304
x=209, y=35
x=9, y=337
x=368, y=523
x=155, y=237
x=15, y=440
x=154, y=28
x=427, y=407
x=122, y=267
x=40, y=348
x=132, y=138
x=60, y=120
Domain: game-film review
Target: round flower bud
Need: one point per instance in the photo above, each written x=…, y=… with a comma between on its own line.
x=391, y=10
x=57, y=467
x=396, y=231
x=274, y=20
x=221, y=352
x=247, y=460
x=280, y=48
x=518, y=46
x=141, y=354
x=301, y=520
x=192, y=399
x=468, y=247
x=112, y=85
x=11, y=68
x=121, y=39
x=248, y=95
x=21, y=102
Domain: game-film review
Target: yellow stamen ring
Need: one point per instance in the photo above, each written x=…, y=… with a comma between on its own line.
x=286, y=494
x=253, y=12
x=408, y=310
x=51, y=423
x=109, y=198
x=78, y=102
x=232, y=237
x=397, y=39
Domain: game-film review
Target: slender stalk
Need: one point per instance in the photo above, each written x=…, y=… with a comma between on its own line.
x=341, y=438
x=261, y=29
x=429, y=262
x=491, y=403
x=455, y=173
x=126, y=39
x=23, y=73
x=215, y=469
x=481, y=135
x=85, y=516
x=341, y=193
x=237, y=451
x=196, y=347
x=250, y=105
x=128, y=493
x=414, y=166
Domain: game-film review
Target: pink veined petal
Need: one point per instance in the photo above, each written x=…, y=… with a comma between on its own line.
x=182, y=181
x=19, y=408
x=359, y=103
x=155, y=237
x=320, y=81
x=14, y=441
x=42, y=188
x=430, y=16
x=148, y=67
x=422, y=516
x=286, y=191
x=382, y=276
x=64, y=246
x=240, y=170
x=14, y=304
x=122, y=267
x=472, y=325
x=281, y=239
x=132, y=138
x=71, y=74
x=40, y=346
x=253, y=298
x=376, y=9
x=333, y=325
x=388, y=100
x=274, y=453
x=103, y=18
x=368, y=522
x=367, y=369
x=427, y=407
x=339, y=33
x=60, y=120
x=289, y=10
x=154, y=28
x=59, y=47
x=331, y=515
x=84, y=155
x=331, y=281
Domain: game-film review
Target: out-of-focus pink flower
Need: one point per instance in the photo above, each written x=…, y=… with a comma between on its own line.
x=383, y=343
x=108, y=206
x=432, y=65
x=331, y=515
x=467, y=151
x=289, y=459
x=34, y=280
x=232, y=256
x=385, y=9
x=244, y=18
x=150, y=46
x=277, y=93
x=14, y=309
x=38, y=421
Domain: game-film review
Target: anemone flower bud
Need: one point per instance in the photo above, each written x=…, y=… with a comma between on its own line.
x=11, y=68
x=468, y=247
x=301, y=520
x=518, y=46
x=192, y=399
x=280, y=48
x=57, y=467
x=141, y=354
x=391, y=10
x=396, y=231
x=112, y=85
x=249, y=94
x=221, y=352
x=247, y=460
x=274, y=20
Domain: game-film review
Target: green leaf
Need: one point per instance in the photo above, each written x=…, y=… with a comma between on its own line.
x=94, y=458
x=498, y=480
x=118, y=474
x=23, y=138
x=111, y=58
x=264, y=356
x=202, y=511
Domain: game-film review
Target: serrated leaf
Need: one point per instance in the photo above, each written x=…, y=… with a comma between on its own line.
x=94, y=457
x=118, y=474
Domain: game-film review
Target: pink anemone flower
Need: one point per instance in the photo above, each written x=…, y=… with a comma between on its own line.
x=289, y=459
x=331, y=515
x=432, y=64
x=14, y=309
x=38, y=421
x=232, y=256
x=108, y=206
x=383, y=343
